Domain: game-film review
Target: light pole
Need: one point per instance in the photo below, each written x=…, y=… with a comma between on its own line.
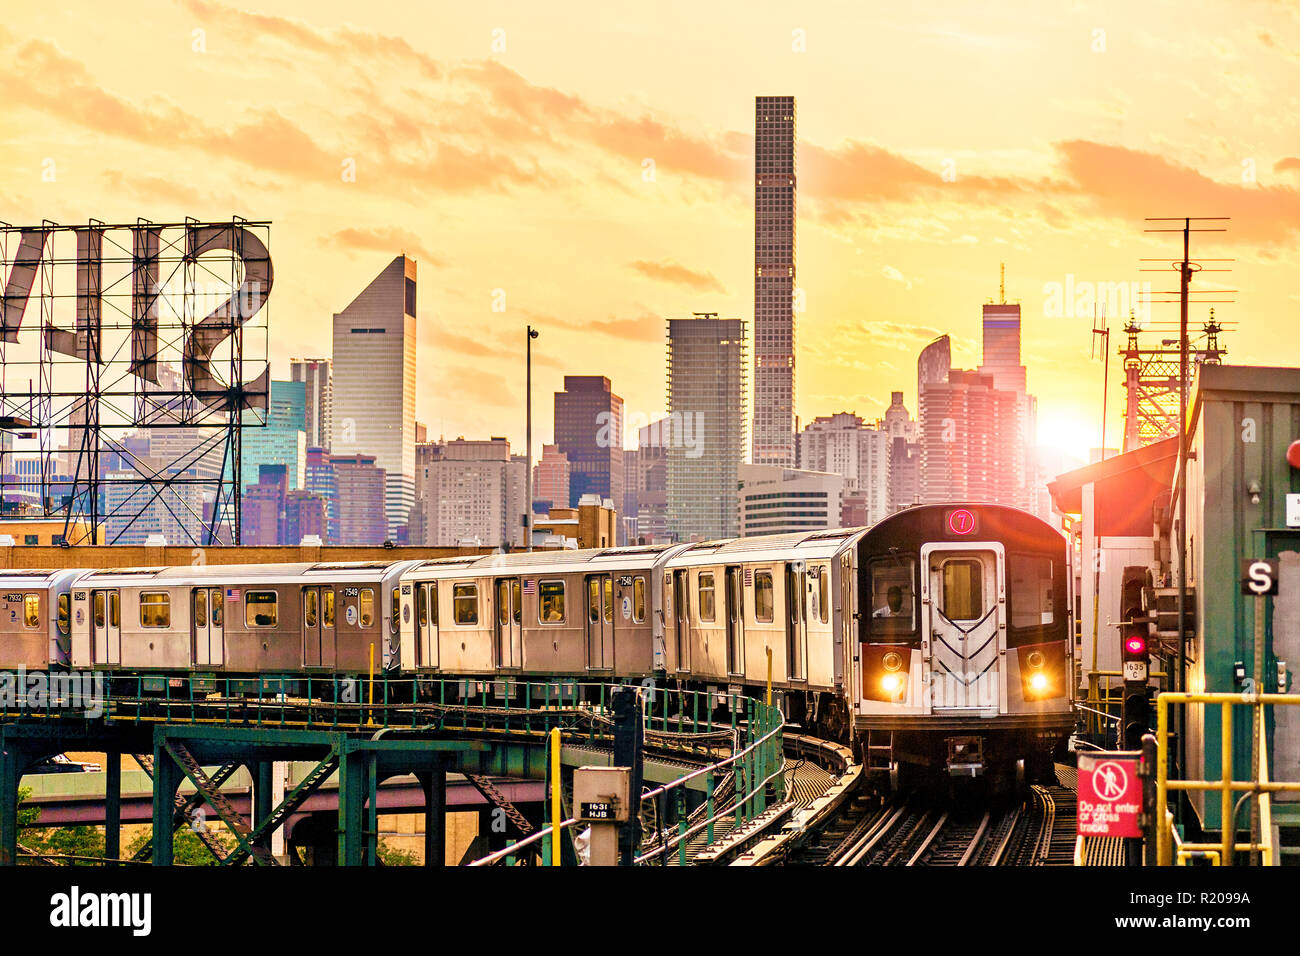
x=528, y=441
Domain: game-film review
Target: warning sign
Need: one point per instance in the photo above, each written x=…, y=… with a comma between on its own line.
x=1110, y=795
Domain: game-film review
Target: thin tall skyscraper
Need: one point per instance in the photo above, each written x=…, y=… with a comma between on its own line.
x=775, y=192
x=374, y=384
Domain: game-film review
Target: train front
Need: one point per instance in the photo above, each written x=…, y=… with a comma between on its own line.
x=964, y=660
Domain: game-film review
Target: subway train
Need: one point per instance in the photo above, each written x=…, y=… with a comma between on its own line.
x=939, y=637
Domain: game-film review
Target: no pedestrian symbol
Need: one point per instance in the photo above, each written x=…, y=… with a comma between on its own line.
x=1110, y=780
x=1110, y=795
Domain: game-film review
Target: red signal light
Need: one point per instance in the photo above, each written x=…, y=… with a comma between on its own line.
x=1293, y=454
x=1135, y=644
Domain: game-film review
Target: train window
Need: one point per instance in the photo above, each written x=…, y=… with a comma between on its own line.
x=367, y=607
x=200, y=607
x=764, y=597
x=893, y=596
x=550, y=607
x=261, y=609
x=155, y=609
x=433, y=603
x=65, y=612
x=394, y=623
x=422, y=604
x=824, y=595
x=327, y=599
x=218, y=609
x=706, y=596
x=503, y=603
x=464, y=598
x=593, y=600
x=962, y=580
x=638, y=599
x=114, y=609
x=310, y=608
x=516, y=602
x=99, y=609
x=1030, y=590
x=609, y=600
x=32, y=610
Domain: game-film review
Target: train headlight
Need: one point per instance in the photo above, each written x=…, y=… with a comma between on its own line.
x=892, y=684
x=892, y=661
x=1038, y=682
x=1036, y=660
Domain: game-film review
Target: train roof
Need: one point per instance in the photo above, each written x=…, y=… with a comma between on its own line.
x=635, y=558
x=240, y=573
x=36, y=577
x=800, y=545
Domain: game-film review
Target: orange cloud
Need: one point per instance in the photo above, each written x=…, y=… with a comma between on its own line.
x=1131, y=184
x=678, y=274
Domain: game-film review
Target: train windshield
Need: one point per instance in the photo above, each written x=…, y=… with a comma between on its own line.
x=893, y=596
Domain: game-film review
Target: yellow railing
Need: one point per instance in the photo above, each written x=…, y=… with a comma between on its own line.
x=1261, y=787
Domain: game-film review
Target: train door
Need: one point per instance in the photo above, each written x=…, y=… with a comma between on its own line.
x=600, y=622
x=735, y=621
x=312, y=620
x=509, y=626
x=206, y=626
x=682, y=620
x=426, y=625
x=796, y=621
x=106, y=627
x=961, y=603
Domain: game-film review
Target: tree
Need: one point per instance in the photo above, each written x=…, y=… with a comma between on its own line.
x=391, y=856
x=187, y=848
x=84, y=841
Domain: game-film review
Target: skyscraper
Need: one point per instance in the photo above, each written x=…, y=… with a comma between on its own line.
x=469, y=491
x=281, y=441
x=706, y=402
x=374, y=384
x=970, y=440
x=589, y=431
x=1001, y=361
x=775, y=193
x=551, y=478
x=362, y=487
x=315, y=374
x=845, y=445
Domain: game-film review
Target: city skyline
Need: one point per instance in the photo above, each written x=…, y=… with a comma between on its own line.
x=489, y=197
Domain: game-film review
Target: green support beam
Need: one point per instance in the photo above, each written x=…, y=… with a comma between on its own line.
x=10, y=757
x=166, y=781
x=113, y=805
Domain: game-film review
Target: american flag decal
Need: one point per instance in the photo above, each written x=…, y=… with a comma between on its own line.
x=529, y=585
x=232, y=594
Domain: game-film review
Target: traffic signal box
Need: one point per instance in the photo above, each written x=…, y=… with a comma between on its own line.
x=1136, y=714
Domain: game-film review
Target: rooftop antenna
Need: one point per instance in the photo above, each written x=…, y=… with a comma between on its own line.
x=1002, y=283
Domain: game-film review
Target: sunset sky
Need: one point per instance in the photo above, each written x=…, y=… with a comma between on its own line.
x=505, y=146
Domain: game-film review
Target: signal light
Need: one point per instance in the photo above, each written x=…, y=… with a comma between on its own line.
x=1136, y=710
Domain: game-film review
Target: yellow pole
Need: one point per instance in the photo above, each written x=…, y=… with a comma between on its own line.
x=555, y=796
x=1227, y=822
x=370, y=719
x=769, y=677
x=1164, y=838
